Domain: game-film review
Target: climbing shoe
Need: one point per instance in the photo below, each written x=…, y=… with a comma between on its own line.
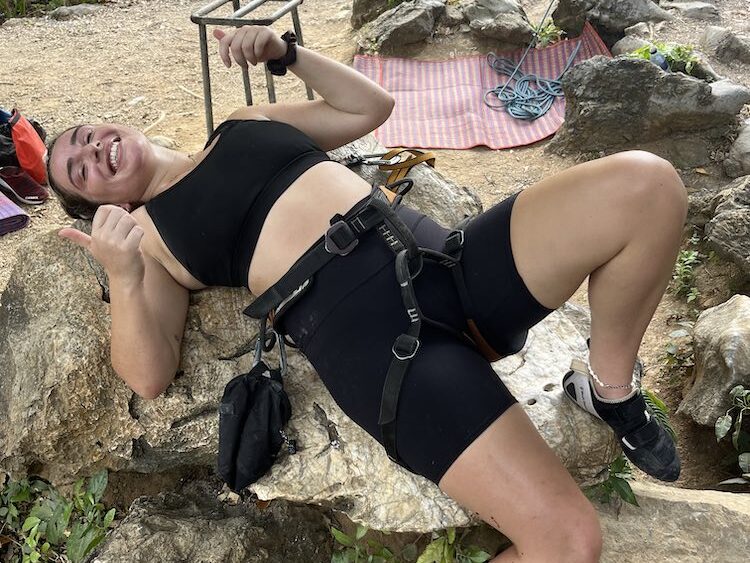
x=644, y=441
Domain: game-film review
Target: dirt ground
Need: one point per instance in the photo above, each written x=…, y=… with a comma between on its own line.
x=137, y=62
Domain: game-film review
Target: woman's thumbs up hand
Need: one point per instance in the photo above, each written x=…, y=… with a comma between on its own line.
x=114, y=242
x=249, y=44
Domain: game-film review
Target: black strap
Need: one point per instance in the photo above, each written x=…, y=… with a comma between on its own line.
x=404, y=349
x=339, y=240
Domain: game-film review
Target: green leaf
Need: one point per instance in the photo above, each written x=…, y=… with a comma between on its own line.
x=622, y=488
x=451, y=535
x=736, y=391
x=341, y=537
x=338, y=557
x=29, y=523
x=722, y=426
x=433, y=553
x=109, y=518
x=737, y=430
x=744, y=461
x=361, y=531
x=476, y=555
x=409, y=553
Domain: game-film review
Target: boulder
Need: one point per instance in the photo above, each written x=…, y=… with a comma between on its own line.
x=695, y=10
x=737, y=162
x=721, y=343
x=609, y=17
x=726, y=45
x=625, y=102
x=70, y=12
x=409, y=22
x=728, y=231
x=628, y=44
x=67, y=414
x=502, y=20
x=674, y=525
x=364, y=11
x=192, y=525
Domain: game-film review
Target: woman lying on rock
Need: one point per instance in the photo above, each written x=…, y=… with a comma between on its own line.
x=263, y=192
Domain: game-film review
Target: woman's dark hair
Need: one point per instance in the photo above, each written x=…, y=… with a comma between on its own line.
x=75, y=206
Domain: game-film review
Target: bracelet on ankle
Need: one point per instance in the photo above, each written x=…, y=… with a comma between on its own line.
x=607, y=385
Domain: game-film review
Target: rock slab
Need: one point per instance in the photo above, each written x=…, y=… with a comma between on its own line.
x=721, y=342
x=677, y=526
x=609, y=17
x=728, y=231
x=737, y=162
x=409, y=22
x=193, y=525
x=625, y=103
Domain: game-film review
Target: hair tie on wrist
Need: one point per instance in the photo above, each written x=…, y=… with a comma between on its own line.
x=277, y=67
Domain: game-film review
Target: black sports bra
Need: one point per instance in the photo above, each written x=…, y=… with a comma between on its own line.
x=211, y=218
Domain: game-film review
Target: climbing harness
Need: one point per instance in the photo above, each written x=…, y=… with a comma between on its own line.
x=531, y=96
x=376, y=212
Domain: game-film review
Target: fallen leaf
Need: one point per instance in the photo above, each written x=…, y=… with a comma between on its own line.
x=701, y=171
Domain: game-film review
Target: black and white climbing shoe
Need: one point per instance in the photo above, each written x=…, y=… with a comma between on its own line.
x=644, y=441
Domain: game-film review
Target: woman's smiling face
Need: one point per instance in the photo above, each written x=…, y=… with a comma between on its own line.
x=105, y=163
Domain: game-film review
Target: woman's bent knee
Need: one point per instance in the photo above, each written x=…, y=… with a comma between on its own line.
x=654, y=183
x=576, y=537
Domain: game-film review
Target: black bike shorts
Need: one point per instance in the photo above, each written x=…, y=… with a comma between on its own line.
x=349, y=318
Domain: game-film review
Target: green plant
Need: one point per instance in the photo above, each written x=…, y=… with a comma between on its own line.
x=357, y=549
x=740, y=437
x=660, y=410
x=679, y=352
x=393, y=3
x=42, y=525
x=683, y=277
x=547, y=33
x=619, y=471
x=14, y=8
x=680, y=58
x=445, y=548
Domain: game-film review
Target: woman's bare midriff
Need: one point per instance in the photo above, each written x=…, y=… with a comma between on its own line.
x=298, y=218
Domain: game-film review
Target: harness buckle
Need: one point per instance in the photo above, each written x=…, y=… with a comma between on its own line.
x=405, y=347
x=340, y=238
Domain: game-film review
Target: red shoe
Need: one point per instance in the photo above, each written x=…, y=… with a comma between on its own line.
x=18, y=185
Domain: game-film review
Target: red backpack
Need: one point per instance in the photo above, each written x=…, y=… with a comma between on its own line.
x=30, y=148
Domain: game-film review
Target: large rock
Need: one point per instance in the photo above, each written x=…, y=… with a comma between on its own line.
x=728, y=231
x=364, y=11
x=721, y=343
x=193, y=525
x=695, y=10
x=609, y=17
x=737, y=162
x=66, y=413
x=626, y=103
x=409, y=22
x=674, y=525
x=726, y=45
x=503, y=20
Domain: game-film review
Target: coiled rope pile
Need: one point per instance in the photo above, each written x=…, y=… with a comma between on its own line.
x=530, y=97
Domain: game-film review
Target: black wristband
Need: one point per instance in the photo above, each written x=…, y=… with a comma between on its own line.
x=277, y=67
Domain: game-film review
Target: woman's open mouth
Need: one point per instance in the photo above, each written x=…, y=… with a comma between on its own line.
x=114, y=155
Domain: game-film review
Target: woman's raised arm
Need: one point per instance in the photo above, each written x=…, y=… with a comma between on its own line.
x=148, y=306
x=352, y=104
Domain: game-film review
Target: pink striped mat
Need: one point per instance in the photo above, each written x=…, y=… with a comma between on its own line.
x=439, y=104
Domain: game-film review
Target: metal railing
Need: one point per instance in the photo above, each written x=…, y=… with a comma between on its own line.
x=238, y=18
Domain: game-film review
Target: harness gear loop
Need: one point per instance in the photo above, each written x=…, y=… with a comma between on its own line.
x=398, y=161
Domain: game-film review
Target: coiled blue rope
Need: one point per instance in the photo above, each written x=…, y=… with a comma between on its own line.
x=531, y=96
